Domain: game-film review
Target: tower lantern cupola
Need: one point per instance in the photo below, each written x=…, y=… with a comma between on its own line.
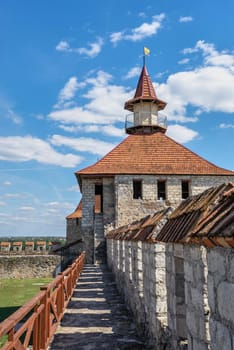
x=145, y=106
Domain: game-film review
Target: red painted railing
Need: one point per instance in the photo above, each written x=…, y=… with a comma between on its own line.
x=34, y=324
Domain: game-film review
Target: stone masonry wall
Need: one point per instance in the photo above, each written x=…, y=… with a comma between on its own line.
x=221, y=297
x=197, y=303
x=178, y=294
x=140, y=269
x=108, y=203
x=88, y=199
x=28, y=266
x=129, y=209
x=73, y=230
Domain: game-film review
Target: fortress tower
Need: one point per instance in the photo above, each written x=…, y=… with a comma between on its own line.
x=145, y=172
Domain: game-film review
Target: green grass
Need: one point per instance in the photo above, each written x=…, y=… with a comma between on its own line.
x=16, y=292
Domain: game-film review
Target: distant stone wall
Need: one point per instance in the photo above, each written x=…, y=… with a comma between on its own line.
x=179, y=294
x=31, y=266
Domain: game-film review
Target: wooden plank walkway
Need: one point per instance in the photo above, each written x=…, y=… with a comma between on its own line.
x=96, y=318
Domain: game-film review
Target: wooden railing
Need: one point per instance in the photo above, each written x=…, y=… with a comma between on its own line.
x=33, y=325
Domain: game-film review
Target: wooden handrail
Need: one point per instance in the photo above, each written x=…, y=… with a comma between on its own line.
x=37, y=320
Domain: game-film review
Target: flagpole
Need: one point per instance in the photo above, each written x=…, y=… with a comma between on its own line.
x=143, y=57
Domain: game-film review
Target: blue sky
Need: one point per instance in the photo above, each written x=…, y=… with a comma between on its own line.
x=66, y=69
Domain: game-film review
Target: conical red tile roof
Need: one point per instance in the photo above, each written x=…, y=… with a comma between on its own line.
x=152, y=154
x=144, y=92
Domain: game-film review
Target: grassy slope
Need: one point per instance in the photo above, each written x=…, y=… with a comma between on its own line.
x=15, y=292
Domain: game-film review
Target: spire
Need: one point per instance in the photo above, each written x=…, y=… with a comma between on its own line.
x=144, y=92
x=145, y=106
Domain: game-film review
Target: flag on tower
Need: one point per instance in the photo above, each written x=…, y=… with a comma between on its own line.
x=146, y=51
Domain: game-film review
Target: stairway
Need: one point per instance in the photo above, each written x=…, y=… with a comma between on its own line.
x=99, y=240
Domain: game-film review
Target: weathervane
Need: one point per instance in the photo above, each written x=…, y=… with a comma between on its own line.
x=146, y=52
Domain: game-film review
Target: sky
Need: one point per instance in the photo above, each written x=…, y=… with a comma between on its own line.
x=66, y=69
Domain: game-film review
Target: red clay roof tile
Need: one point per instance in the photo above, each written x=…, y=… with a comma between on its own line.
x=152, y=154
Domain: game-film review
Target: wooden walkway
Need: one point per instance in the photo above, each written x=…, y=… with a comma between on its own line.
x=96, y=318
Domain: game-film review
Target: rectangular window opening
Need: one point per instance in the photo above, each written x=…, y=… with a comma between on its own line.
x=137, y=189
x=185, y=189
x=161, y=189
x=98, y=203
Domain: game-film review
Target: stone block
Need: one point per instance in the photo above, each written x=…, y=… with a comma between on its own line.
x=188, y=271
x=225, y=301
x=159, y=260
x=179, y=250
x=211, y=294
x=198, y=345
x=216, y=264
x=197, y=299
x=220, y=336
x=230, y=274
x=192, y=321
x=159, y=247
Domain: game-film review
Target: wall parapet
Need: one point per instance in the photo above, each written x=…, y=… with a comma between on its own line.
x=175, y=272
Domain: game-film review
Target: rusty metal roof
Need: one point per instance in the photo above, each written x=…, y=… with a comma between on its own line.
x=207, y=218
x=145, y=229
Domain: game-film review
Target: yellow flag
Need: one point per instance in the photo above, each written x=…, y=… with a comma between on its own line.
x=146, y=51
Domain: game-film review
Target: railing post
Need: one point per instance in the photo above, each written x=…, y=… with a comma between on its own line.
x=61, y=296
x=35, y=330
x=44, y=319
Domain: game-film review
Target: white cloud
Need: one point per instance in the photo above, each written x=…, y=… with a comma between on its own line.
x=74, y=188
x=211, y=55
x=26, y=208
x=15, y=195
x=63, y=46
x=23, y=149
x=2, y=204
x=185, y=19
x=40, y=116
x=139, y=33
x=134, y=72
x=7, y=111
x=7, y=183
x=226, y=126
x=115, y=37
x=110, y=130
x=184, y=61
x=104, y=106
x=83, y=144
x=68, y=92
x=113, y=131
x=181, y=133
x=59, y=205
x=207, y=88
x=142, y=14
x=93, y=48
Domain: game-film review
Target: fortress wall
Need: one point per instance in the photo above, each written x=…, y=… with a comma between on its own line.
x=30, y=266
x=182, y=296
